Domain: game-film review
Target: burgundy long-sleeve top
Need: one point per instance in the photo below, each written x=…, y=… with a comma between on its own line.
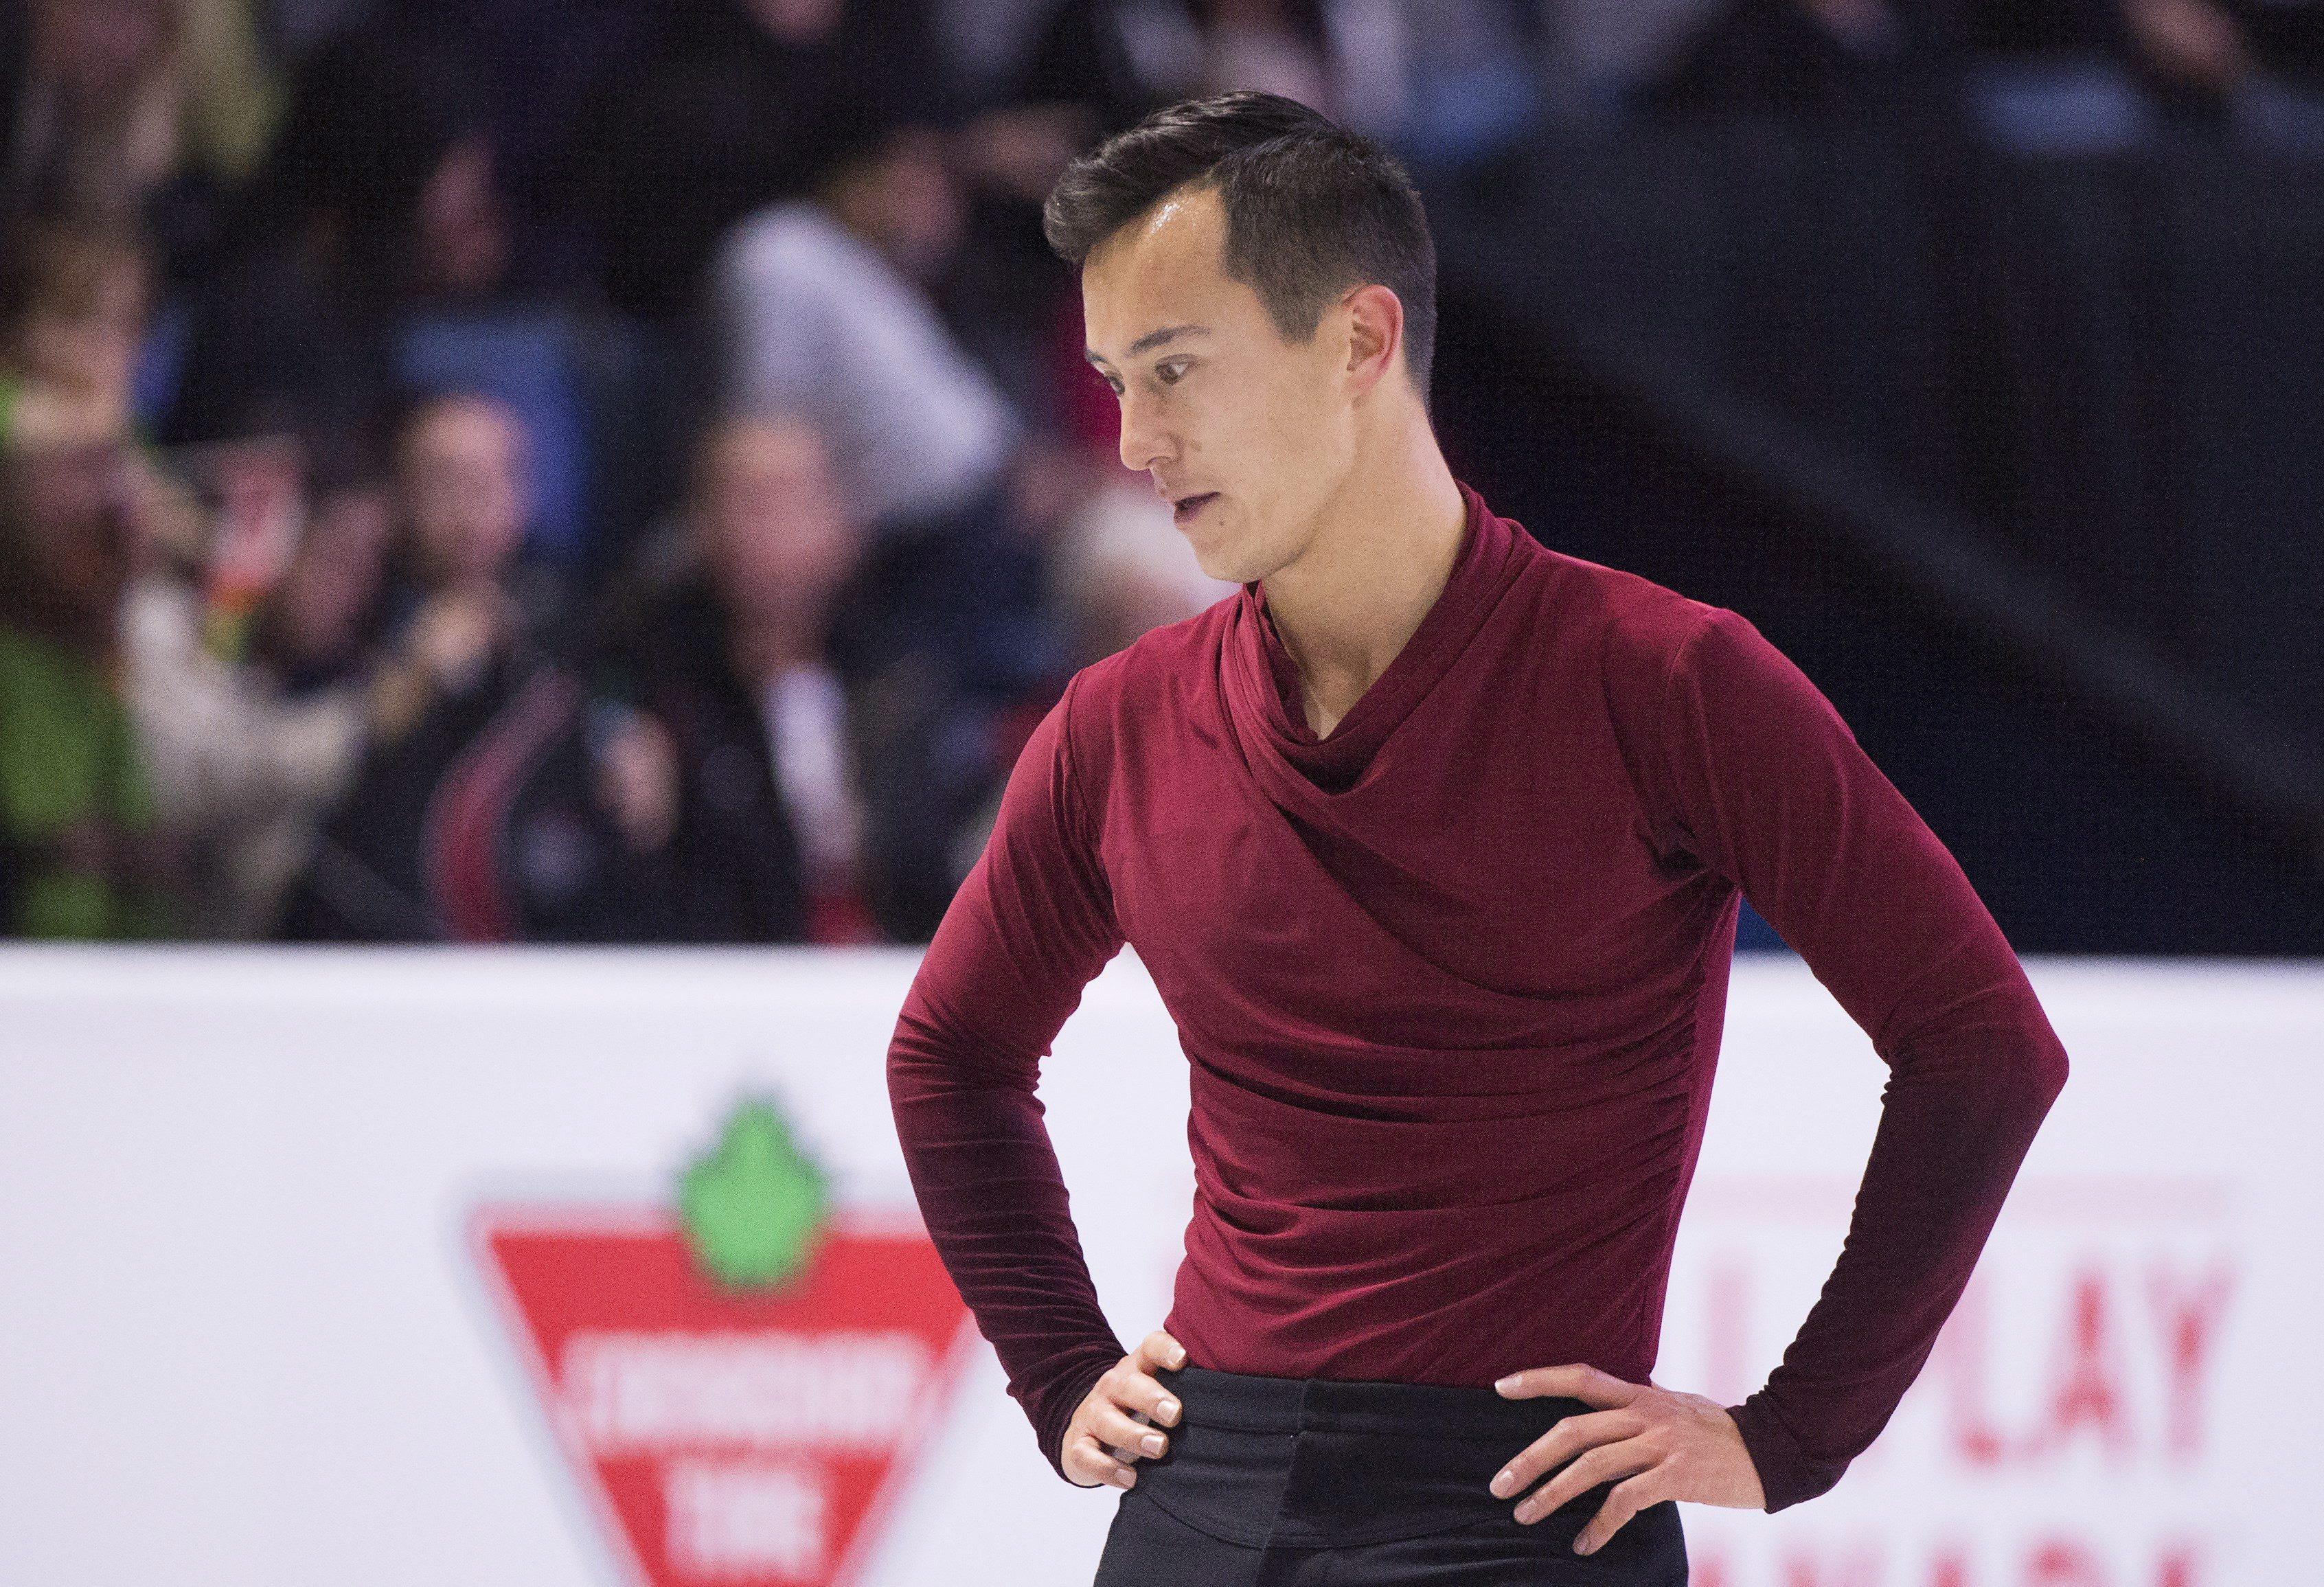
x=1451, y=981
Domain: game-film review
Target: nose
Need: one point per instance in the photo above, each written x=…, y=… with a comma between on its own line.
x=1144, y=441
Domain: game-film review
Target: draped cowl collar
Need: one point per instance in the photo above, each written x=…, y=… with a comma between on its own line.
x=1262, y=681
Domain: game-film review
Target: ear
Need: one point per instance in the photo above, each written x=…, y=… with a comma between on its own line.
x=1374, y=334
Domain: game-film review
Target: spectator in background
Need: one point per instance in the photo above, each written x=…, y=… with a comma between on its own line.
x=82, y=852
x=232, y=96
x=379, y=196
x=73, y=302
x=819, y=312
x=497, y=802
x=120, y=109
x=252, y=742
x=96, y=107
x=831, y=774
x=72, y=310
x=542, y=65
x=319, y=624
x=381, y=254
x=819, y=309
x=744, y=102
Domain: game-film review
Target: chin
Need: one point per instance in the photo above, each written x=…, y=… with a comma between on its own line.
x=1217, y=564
x=1232, y=558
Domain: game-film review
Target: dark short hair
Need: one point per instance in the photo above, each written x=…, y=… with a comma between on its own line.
x=1312, y=208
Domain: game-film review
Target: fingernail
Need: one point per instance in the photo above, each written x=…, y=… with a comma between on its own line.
x=1151, y=1444
x=1508, y=1383
x=1584, y=1545
x=1501, y=1485
x=1178, y=1359
x=1168, y=1409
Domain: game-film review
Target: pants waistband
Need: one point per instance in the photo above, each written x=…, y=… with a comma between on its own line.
x=1250, y=1403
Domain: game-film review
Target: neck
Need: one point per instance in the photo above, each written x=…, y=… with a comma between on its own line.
x=1378, y=561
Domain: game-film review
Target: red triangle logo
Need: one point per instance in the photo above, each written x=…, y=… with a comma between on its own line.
x=732, y=1438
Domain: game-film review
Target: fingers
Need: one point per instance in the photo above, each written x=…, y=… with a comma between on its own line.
x=1628, y=1499
x=1601, y=1391
x=1157, y=1351
x=1119, y=1421
x=1088, y=1465
x=1561, y=1444
x=1127, y=1439
x=1604, y=1463
x=1656, y=1446
x=1126, y=1390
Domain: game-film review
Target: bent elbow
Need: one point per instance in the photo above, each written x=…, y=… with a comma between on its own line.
x=2050, y=1069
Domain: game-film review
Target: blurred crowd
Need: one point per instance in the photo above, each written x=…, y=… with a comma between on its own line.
x=623, y=470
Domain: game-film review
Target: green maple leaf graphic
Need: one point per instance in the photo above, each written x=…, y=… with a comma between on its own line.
x=752, y=1208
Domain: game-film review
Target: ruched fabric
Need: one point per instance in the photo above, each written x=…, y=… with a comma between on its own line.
x=1450, y=982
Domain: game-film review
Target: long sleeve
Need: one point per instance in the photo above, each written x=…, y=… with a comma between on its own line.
x=1768, y=786
x=1027, y=931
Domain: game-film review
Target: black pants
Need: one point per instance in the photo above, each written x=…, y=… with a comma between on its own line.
x=1290, y=1482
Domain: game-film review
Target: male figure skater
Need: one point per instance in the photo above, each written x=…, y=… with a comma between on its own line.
x=1431, y=839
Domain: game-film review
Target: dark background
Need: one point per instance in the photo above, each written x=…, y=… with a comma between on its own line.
x=1974, y=352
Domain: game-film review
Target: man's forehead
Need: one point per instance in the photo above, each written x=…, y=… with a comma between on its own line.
x=1187, y=220
x=1161, y=270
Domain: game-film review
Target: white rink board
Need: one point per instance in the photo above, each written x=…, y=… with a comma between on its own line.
x=244, y=1340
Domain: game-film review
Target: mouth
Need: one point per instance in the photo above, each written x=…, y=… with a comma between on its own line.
x=1186, y=508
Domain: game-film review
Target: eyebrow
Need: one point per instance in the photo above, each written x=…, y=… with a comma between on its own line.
x=1150, y=340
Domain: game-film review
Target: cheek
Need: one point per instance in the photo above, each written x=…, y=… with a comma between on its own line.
x=1302, y=463
x=1233, y=432
x=1290, y=419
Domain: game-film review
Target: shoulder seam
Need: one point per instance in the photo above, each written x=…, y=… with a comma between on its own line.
x=1703, y=624
x=1072, y=778
x=1705, y=617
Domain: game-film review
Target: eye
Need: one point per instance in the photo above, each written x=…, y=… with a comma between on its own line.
x=1169, y=371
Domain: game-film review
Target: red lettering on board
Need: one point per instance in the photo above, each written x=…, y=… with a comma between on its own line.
x=2178, y=1567
x=1727, y=1312
x=2064, y=1564
x=2188, y=1313
x=2090, y=1391
x=1859, y=1568
x=1960, y=1355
